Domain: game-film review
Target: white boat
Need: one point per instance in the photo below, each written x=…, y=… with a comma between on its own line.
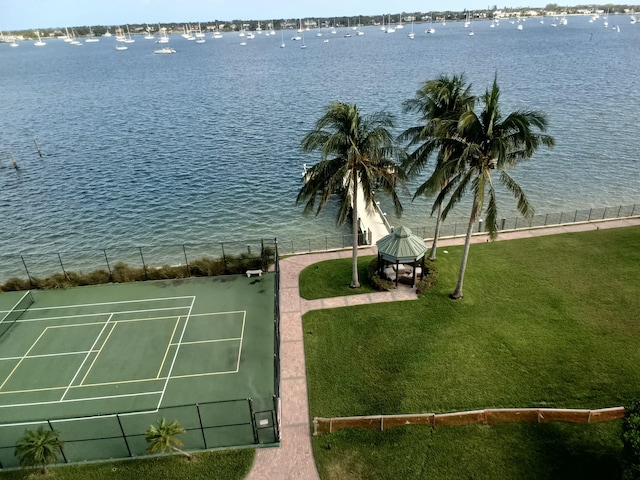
x=430, y=30
x=91, y=38
x=303, y=44
x=411, y=34
x=128, y=38
x=107, y=34
x=382, y=27
x=199, y=33
x=165, y=51
x=250, y=35
x=519, y=27
x=400, y=25
x=13, y=44
x=282, y=45
x=39, y=43
x=390, y=29
x=187, y=34
x=163, y=38
x=120, y=46
x=149, y=35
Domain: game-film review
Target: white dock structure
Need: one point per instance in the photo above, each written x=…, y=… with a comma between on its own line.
x=373, y=225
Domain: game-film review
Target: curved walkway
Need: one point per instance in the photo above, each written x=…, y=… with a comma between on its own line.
x=294, y=459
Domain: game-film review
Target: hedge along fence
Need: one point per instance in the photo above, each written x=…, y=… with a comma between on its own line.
x=474, y=417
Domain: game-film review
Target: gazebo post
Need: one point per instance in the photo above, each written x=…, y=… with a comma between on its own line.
x=397, y=273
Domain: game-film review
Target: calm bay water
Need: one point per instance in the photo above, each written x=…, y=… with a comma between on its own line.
x=203, y=146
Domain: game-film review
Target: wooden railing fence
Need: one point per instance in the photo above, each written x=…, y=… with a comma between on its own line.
x=474, y=417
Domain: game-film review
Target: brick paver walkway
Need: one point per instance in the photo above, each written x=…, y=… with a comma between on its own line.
x=294, y=459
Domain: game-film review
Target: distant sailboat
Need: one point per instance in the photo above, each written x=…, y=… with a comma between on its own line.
x=39, y=43
x=282, y=45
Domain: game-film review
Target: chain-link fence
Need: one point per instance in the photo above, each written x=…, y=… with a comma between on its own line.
x=208, y=425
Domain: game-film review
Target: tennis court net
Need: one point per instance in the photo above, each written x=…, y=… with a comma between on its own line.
x=15, y=313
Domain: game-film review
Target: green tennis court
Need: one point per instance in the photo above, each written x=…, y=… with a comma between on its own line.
x=200, y=351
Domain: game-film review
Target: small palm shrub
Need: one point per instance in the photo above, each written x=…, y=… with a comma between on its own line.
x=38, y=448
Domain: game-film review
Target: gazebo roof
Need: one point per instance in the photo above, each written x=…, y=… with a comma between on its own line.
x=401, y=246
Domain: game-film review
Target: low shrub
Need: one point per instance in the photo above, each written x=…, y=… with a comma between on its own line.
x=429, y=279
x=15, y=284
x=631, y=442
x=207, y=267
x=377, y=282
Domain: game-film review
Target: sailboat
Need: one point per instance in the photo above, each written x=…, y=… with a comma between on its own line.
x=333, y=30
x=39, y=43
x=411, y=34
x=430, y=30
x=400, y=25
x=303, y=44
x=163, y=38
x=149, y=35
x=91, y=38
x=390, y=29
x=282, y=39
x=128, y=38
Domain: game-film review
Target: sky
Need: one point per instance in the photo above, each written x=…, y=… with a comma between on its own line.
x=34, y=14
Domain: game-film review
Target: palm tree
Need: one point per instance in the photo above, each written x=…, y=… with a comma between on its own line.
x=163, y=437
x=437, y=101
x=478, y=145
x=356, y=151
x=38, y=448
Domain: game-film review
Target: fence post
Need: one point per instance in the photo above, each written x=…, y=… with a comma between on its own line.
x=186, y=260
x=276, y=424
x=503, y=222
x=27, y=270
x=545, y=219
x=204, y=439
x=253, y=421
x=604, y=213
x=224, y=258
x=575, y=217
x=560, y=222
x=144, y=266
x=62, y=266
x=108, y=266
x=633, y=209
x=589, y=219
x=61, y=450
x=309, y=245
x=480, y=225
x=455, y=226
x=515, y=226
x=618, y=214
x=124, y=437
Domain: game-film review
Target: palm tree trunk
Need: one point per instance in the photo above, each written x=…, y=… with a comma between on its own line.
x=457, y=293
x=354, y=215
x=436, y=234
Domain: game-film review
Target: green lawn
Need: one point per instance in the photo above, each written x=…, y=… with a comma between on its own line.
x=230, y=465
x=332, y=279
x=547, y=321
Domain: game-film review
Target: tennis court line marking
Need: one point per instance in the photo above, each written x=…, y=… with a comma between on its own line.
x=206, y=341
x=81, y=315
x=166, y=352
x=121, y=302
x=79, y=399
x=7, y=312
x=175, y=355
x=241, y=339
x=23, y=357
x=113, y=327
x=44, y=355
x=85, y=359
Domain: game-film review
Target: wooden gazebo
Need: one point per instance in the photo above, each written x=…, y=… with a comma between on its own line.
x=401, y=255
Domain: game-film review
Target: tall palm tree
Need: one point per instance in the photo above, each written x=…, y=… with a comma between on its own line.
x=38, y=448
x=163, y=437
x=479, y=145
x=356, y=151
x=438, y=102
